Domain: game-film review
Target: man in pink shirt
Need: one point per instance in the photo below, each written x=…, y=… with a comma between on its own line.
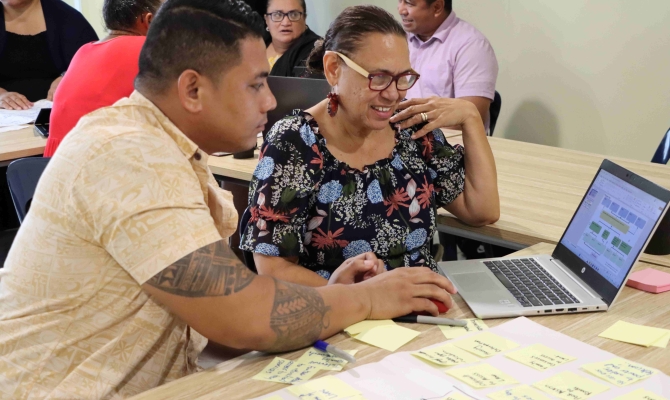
x=454, y=59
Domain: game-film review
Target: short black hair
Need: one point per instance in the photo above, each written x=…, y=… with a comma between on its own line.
x=202, y=35
x=122, y=14
x=302, y=3
x=447, y=4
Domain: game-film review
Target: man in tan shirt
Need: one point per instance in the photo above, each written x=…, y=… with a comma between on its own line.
x=120, y=270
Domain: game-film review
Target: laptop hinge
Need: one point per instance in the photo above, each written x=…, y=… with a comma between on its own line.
x=576, y=278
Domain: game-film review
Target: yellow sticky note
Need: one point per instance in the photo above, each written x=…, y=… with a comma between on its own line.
x=456, y=396
x=366, y=325
x=286, y=371
x=540, y=357
x=486, y=344
x=570, y=386
x=523, y=392
x=619, y=371
x=635, y=334
x=388, y=337
x=446, y=355
x=323, y=360
x=663, y=341
x=452, y=332
x=641, y=394
x=481, y=376
x=327, y=387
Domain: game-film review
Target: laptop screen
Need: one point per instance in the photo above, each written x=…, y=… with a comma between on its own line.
x=612, y=225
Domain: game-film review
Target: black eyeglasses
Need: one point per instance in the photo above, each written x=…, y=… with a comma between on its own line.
x=381, y=81
x=278, y=16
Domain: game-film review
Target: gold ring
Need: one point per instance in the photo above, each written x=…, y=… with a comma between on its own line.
x=424, y=117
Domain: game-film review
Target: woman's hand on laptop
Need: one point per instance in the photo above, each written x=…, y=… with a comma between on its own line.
x=357, y=269
x=406, y=290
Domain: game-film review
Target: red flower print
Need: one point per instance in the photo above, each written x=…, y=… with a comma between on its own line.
x=427, y=142
x=318, y=160
x=255, y=215
x=426, y=192
x=396, y=200
x=321, y=239
x=271, y=215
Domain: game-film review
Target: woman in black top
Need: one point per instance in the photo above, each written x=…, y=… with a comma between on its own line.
x=292, y=40
x=38, y=38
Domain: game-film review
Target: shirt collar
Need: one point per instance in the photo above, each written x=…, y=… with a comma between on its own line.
x=441, y=33
x=186, y=145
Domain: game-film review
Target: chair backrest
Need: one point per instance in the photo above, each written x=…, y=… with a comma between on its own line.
x=22, y=178
x=663, y=152
x=248, y=256
x=494, y=112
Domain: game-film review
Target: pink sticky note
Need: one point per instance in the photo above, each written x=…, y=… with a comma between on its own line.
x=650, y=280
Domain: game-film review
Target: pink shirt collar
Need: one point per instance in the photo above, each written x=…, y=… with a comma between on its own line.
x=440, y=34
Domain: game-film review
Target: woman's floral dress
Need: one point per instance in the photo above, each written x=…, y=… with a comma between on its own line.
x=304, y=202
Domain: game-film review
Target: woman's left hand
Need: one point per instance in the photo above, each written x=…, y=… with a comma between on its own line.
x=52, y=89
x=439, y=112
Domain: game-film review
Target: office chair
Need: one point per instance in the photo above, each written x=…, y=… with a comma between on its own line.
x=494, y=112
x=662, y=154
x=22, y=178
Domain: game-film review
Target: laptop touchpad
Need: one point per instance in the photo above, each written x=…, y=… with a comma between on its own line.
x=477, y=281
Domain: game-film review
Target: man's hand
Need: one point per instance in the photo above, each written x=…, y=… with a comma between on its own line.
x=52, y=89
x=357, y=269
x=441, y=113
x=406, y=290
x=14, y=101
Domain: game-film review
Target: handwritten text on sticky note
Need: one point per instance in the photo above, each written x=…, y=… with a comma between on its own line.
x=328, y=387
x=474, y=325
x=323, y=360
x=486, y=344
x=570, y=386
x=522, y=392
x=481, y=376
x=540, y=357
x=446, y=355
x=286, y=371
x=619, y=371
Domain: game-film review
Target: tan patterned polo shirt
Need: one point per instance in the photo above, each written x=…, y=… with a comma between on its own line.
x=126, y=195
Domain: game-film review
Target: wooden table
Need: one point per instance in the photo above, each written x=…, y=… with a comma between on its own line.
x=540, y=188
x=19, y=144
x=232, y=379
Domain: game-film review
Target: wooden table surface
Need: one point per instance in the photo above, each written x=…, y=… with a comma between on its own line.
x=21, y=143
x=232, y=379
x=540, y=188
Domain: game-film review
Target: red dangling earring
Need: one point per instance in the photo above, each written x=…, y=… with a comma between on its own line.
x=333, y=103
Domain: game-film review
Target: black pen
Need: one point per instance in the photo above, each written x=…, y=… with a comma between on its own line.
x=422, y=319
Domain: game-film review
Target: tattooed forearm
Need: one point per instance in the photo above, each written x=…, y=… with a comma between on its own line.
x=213, y=270
x=298, y=316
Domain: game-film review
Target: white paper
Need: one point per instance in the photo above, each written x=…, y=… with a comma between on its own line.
x=404, y=376
x=21, y=117
x=13, y=128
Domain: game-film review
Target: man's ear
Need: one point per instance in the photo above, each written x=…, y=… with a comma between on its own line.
x=189, y=88
x=437, y=7
x=332, y=68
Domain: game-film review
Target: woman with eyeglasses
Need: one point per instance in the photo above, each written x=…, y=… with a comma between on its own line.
x=360, y=176
x=292, y=40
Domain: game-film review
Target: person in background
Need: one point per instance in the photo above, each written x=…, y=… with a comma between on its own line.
x=38, y=39
x=103, y=72
x=122, y=269
x=454, y=59
x=346, y=177
x=292, y=40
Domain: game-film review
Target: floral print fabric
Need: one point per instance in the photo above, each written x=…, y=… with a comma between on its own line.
x=305, y=203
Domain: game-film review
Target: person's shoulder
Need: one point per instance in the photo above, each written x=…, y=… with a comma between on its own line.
x=467, y=33
x=63, y=9
x=290, y=129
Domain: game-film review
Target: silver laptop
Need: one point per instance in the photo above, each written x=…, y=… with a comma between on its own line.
x=590, y=265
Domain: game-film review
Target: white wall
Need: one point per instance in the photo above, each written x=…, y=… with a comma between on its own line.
x=591, y=75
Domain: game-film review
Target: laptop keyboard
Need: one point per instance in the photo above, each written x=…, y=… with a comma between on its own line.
x=530, y=283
